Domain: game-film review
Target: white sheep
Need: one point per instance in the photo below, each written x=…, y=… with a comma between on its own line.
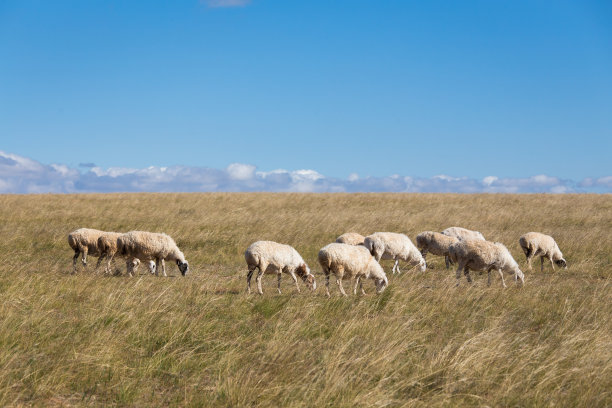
x=463, y=233
x=272, y=257
x=390, y=245
x=538, y=244
x=484, y=256
x=85, y=241
x=350, y=238
x=152, y=246
x=436, y=243
x=351, y=261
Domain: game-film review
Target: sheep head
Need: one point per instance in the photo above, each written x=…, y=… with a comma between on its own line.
x=303, y=271
x=562, y=263
x=183, y=266
x=519, y=275
x=381, y=283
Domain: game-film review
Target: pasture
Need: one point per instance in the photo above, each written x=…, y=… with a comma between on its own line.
x=93, y=339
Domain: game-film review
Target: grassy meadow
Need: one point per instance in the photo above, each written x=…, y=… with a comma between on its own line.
x=95, y=339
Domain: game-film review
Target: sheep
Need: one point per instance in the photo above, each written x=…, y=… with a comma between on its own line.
x=463, y=233
x=351, y=261
x=272, y=257
x=152, y=246
x=390, y=245
x=85, y=241
x=544, y=246
x=484, y=256
x=435, y=243
x=350, y=238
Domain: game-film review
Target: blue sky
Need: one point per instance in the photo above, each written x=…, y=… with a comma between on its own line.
x=470, y=89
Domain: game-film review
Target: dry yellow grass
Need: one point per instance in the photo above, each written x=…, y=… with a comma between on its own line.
x=90, y=339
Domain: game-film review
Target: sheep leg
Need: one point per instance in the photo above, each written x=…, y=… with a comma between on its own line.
x=326, y=271
x=552, y=264
x=396, y=266
x=339, y=275
x=358, y=282
x=278, y=275
x=84, y=260
x=458, y=273
x=249, y=276
x=100, y=258
x=262, y=268
x=466, y=272
x=542, y=264
x=339, y=282
x=529, y=258
x=295, y=280
x=163, y=267
x=108, y=263
x=77, y=252
x=156, y=266
x=501, y=274
x=258, y=280
x=447, y=262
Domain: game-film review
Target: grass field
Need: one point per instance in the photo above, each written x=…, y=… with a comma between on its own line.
x=91, y=339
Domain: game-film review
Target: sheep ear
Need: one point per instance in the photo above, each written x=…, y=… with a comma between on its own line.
x=178, y=262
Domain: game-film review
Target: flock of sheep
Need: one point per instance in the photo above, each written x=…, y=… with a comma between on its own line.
x=352, y=256
x=153, y=247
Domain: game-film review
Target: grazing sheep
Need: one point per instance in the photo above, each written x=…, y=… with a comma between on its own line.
x=390, y=245
x=484, y=256
x=272, y=257
x=538, y=244
x=435, y=243
x=85, y=241
x=463, y=233
x=351, y=261
x=152, y=246
x=351, y=238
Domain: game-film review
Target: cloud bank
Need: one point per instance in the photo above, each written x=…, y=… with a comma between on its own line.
x=21, y=175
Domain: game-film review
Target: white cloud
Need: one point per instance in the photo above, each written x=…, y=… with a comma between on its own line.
x=239, y=171
x=22, y=175
x=487, y=181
